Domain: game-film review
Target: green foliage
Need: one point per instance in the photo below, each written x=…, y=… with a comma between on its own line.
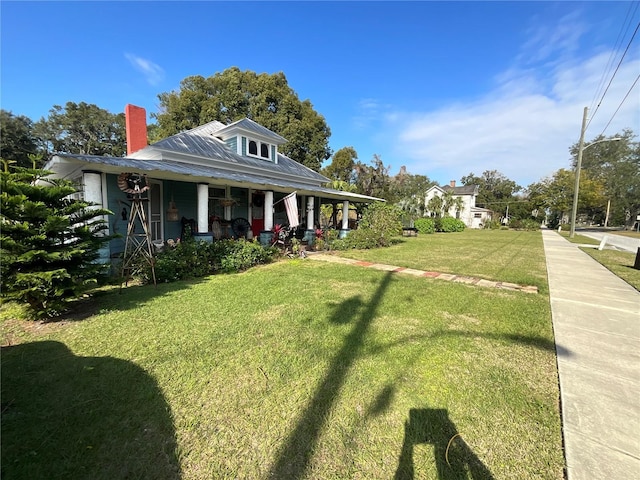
x=450, y=224
x=425, y=225
x=341, y=166
x=372, y=180
x=83, y=128
x=616, y=166
x=361, y=239
x=379, y=227
x=524, y=224
x=494, y=189
x=192, y=259
x=383, y=219
x=50, y=242
x=17, y=141
x=235, y=94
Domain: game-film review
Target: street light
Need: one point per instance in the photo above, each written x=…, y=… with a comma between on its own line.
x=581, y=148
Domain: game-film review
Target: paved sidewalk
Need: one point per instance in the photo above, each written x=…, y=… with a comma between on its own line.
x=596, y=321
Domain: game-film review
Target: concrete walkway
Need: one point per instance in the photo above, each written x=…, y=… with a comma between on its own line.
x=596, y=321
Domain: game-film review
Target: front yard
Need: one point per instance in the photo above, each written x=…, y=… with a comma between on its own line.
x=297, y=369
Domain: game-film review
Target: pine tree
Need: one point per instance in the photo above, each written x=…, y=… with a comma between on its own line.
x=50, y=242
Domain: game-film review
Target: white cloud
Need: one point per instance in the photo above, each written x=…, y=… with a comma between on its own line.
x=152, y=72
x=525, y=126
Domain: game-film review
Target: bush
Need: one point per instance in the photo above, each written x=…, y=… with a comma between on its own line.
x=450, y=224
x=524, y=224
x=425, y=225
x=384, y=221
x=361, y=239
x=50, y=242
x=192, y=259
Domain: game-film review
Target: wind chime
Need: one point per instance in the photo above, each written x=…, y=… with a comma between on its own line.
x=138, y=243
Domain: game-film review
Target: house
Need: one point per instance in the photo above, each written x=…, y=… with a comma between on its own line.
x=210, y=180
x=472, y=216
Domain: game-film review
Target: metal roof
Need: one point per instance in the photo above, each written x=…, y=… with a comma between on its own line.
x=201, y=142
x=249, y=125
x=171, y=169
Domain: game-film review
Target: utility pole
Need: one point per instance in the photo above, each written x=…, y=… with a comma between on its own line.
x=578, y=167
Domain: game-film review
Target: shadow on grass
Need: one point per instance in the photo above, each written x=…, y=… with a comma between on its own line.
x=296, y=453
x=65, y=416
x=433, y=426
x=116, y=299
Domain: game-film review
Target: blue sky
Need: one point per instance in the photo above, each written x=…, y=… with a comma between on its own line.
x=444, y=88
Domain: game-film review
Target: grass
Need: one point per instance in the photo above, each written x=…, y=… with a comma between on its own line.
x=619, y=262
x=292, y=370
x=509, y=256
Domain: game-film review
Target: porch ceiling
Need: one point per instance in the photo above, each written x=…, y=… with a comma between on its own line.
x=71, y=166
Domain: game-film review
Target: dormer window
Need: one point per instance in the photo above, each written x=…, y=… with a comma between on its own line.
x=259, y=149
x=264, y=150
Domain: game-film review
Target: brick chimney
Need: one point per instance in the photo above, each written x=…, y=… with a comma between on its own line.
x=136, y=126
x=452, y=183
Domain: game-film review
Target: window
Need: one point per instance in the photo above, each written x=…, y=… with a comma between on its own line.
x=477, y=215
x=264, y=152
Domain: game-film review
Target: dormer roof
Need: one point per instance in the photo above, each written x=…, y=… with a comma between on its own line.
x=251, y=128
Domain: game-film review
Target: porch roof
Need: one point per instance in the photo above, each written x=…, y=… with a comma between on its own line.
x=71, y=165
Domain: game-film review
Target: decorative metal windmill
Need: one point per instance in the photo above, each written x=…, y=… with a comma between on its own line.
x=138, y=243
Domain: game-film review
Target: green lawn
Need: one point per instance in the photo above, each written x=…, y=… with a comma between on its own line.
x=294, y=370
x=509, y=256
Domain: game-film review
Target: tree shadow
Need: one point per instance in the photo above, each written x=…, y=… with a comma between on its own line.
x=455, y=460
x=66, y=416
x=295, y=455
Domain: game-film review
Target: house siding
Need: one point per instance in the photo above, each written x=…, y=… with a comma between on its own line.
x=232, y=143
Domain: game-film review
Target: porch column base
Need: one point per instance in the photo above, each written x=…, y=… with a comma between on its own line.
x=343, y=232
x=265, y=238
x=309, y=237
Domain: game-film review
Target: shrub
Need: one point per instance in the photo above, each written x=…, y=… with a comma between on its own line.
x=50, y=242
x=361, y=239
x=383, y=220
x=450, y=224
x=192, y=259
x=524, y=224
x=425, y=225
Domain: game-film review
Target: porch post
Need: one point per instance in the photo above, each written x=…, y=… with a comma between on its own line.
x=203, y=207
x=268, y=210
x=266, y=235
x=345, y=219
x=310, y=213
x=92, y=182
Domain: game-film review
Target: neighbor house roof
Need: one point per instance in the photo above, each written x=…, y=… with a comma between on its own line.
x=463, y=190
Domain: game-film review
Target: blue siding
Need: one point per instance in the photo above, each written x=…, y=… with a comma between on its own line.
x=232, y=143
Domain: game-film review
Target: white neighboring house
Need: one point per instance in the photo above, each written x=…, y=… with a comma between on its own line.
x=472, y=216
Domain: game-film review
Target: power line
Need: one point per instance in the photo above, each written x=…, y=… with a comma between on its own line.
x=614, y=74
x=614, y=53
x=623, y=100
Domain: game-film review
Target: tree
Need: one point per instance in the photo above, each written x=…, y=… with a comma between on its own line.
x=342, y=165
x=616, y=164
x=83, y=128
x=17, y=142
x=49, y=242
x=555, y=194
x=372, y=180
x=494, y=189
x=266, y=99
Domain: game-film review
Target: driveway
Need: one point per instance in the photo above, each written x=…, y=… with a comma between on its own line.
x=628, y=244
